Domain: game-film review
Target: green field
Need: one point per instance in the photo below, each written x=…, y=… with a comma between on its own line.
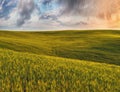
x=60, y=61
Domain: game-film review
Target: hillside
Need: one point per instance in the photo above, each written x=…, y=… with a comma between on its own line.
x=99, y=45
x=25, y=72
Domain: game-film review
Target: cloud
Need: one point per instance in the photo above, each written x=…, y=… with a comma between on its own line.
x=97, y=8
x=6, y=6
x=25, y=9
x=55, y=14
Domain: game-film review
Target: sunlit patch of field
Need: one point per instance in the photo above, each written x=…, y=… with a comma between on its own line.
x=25, y=72
x=63, y=61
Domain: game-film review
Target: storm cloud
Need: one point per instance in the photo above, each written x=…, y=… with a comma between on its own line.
x=25, y=10
x=63, y=13
x=102, y=9
x=99, y=8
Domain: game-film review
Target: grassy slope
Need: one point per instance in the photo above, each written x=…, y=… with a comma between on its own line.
x=99, y=46
x=25, y=72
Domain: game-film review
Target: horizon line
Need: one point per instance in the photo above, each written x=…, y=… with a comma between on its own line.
x=88, y=29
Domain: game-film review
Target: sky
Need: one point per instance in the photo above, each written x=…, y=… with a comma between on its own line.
x=59, y=14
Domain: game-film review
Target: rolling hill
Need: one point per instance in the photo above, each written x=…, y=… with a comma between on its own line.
x=100, y=46
x=60, y=61
x=25, y=72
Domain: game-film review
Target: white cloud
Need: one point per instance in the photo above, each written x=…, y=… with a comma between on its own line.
x=89, y=14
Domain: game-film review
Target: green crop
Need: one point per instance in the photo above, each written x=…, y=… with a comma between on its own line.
x=99, y=45
x=24, y=72
x=60, y=61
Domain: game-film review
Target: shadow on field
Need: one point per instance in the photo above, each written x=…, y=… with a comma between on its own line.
x=97, y=46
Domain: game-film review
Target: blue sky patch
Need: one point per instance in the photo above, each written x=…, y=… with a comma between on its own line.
x=6, y=7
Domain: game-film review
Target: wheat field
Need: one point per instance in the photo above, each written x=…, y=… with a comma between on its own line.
x=63, y=61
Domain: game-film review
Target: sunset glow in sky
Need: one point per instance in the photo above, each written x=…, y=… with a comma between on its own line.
x=59, y=14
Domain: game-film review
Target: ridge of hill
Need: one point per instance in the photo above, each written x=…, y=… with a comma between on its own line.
x=98, y=45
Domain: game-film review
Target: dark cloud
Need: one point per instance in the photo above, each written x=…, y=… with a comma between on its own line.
x=73, y=7
x=63, y=12
x=47, y=2
x=67, y=7
x=26, y=8
x=78, y=7
x=97, y=8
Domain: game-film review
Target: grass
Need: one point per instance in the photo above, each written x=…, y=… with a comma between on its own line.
x=63, y=61
x=100, y=46
x=25, y=72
